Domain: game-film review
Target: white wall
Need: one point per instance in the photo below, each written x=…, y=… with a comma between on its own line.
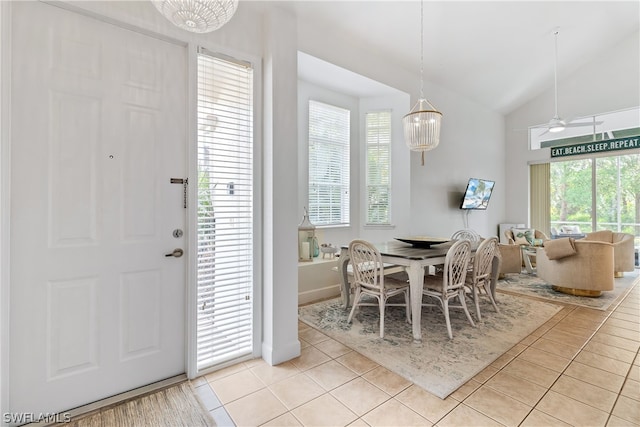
x=609, y=83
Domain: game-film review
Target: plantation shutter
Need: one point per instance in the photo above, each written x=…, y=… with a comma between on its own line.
x=329, y=140
x=378, y=167
x=225, y=209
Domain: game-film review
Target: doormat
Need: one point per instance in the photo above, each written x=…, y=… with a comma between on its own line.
x=438, y=364
x=173, y=406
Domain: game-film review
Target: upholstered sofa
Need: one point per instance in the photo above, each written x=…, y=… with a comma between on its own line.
x=623, y=249
x=586, y=272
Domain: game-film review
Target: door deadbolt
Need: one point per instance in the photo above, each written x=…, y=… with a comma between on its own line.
x=176, y=253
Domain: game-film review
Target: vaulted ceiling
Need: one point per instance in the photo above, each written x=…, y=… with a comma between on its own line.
x=499, y=53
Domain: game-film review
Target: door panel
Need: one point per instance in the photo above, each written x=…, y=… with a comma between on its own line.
x=98, y=130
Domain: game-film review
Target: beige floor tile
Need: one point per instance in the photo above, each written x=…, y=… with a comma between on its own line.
x=284, y=420
x=426, y=404
x=528, y=340
x=236, y=385
x=595, y=376
x=623, y=343
x=531, y=372
x=297, y=390
x=360, y=396
x=358, y=423
x=627, y=409
x=254, y=362
x=617, y=331
x=618, y=323
x=498, y=406
x=624, y=316
x=502, y=361
x=553, y=347
x=312, y=336
x=331, y=375
x=325, y=410
x=465, y=416
x=310, y=357
x=485, y=374
x=612, y=352
x=571, y=411
x=255, y=409
x=517, y=388
x=465, y=390
x=589, y=313
x=586, y=393
x=224, y=372
x=582, y=321
x=618, y=422
x=302, y=326
x=303, y=343
x=539, y=419
x=394, y=413
x=574, y=328
x=387, y=381
x=602, y=362
x=634, y=373
x=631, y=389
x=271, y=374
x=357, y=362
x=546, y=359
x=332, y=348
x=564, y=337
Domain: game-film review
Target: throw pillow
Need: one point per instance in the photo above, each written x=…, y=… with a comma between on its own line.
x=523, y=236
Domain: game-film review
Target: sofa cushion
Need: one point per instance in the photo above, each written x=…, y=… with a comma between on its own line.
x=523, y=236
x=560, y=248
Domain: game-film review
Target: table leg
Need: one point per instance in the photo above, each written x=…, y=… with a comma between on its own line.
x=416, y=281
x=343, y=262
x=527, y=261
x=495, y=272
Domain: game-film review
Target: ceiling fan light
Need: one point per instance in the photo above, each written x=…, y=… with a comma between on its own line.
x=556, y=125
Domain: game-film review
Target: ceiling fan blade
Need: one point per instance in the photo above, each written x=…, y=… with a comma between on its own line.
x=577, y=125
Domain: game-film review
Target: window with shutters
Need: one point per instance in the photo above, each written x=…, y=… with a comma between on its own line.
x=225, y=209
x=378, y=167
x=329, y=145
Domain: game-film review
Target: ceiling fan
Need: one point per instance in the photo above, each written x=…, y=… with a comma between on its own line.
x=557, y=124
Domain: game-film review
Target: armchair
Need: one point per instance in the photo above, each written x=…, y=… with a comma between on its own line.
x=516, y=241
x=623, y=249
x=588, y=272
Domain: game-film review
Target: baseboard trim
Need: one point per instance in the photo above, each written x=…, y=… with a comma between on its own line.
x=318, y=294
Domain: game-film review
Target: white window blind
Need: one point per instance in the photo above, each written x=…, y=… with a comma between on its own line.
x=225, y=209
x=329, y=138
x=378, y=167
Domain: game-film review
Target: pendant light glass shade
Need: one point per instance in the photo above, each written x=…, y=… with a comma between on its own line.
x=197, y=16
x=422, y=127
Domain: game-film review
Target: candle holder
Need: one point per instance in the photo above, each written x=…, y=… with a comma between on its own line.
x=306, y=238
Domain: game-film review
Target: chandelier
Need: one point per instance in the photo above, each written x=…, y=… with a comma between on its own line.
x=422, y=124
x=197, y=16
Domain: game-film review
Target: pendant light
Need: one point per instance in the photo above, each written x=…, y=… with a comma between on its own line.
x=197, y=16
x=422, y=124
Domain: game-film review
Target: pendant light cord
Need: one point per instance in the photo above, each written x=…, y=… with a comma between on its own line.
x=555, y=72
x=421, y=49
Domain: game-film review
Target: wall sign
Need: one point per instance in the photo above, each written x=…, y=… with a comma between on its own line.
x=597, y=147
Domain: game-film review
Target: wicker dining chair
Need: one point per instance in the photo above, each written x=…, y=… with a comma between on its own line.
x=466, y=234
x=450, y=284
x=369, y=279
x=480, y=280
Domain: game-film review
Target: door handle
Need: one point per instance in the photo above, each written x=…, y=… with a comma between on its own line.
x=176, y=253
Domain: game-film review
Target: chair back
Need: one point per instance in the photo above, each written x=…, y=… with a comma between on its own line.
x=466, y=234
x=483, y=259
x=367, y=264
x=456, y=265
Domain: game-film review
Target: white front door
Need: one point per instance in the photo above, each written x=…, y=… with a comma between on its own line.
x=98, y=131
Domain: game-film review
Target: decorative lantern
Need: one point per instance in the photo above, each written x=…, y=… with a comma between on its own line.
x=306, y=239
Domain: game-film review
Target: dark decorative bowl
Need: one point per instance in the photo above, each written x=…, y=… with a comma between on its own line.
x=422, y=241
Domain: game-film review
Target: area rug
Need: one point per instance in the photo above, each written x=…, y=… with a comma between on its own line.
x=533, y=286
x=438, y=364
x=174, y=406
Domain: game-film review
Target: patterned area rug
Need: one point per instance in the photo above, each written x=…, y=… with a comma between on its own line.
x=438, y=364
x=532, y=286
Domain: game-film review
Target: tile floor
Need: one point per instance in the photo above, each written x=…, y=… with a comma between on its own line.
x=580, y=368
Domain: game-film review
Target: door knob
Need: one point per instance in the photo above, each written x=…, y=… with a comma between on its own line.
x=176, y=253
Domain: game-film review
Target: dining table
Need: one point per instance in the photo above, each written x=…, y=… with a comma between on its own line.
x=414, y=260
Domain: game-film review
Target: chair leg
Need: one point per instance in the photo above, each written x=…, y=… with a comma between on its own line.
x=356, y=300
x=382, y=302
x=463, y=303
x=445, y=308
x=476, y=299
x=407, y=301
x=487, y=288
